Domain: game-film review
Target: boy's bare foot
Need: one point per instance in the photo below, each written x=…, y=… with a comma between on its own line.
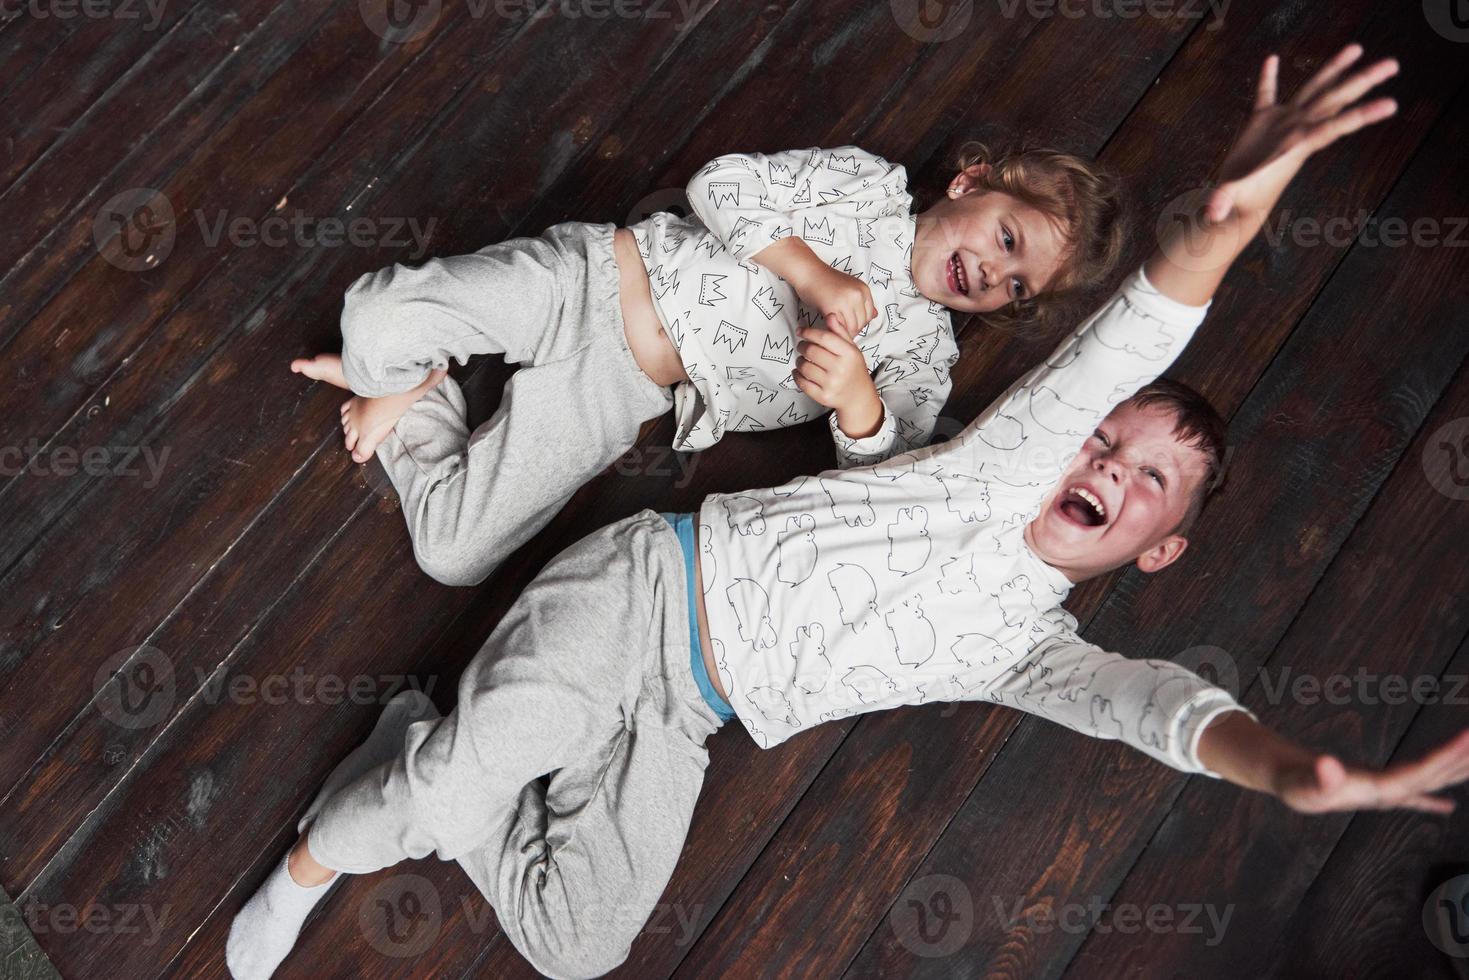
x=322, y=367
x=367, y=421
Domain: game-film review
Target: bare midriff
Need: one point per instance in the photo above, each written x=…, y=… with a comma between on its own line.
x=651, y=346
x=654, y=351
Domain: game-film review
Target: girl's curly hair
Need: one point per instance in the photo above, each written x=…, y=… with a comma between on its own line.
x=1087, y=205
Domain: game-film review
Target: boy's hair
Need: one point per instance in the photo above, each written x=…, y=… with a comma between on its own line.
x=1197, y=425
x=1086, y=202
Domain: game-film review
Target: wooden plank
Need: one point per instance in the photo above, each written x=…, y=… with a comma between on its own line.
x=189, y=83
x=76, y=62
x=1363, y=914
x=1080, y=845
x=240, y=153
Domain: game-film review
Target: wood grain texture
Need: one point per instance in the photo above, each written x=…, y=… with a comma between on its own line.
x=261, y=552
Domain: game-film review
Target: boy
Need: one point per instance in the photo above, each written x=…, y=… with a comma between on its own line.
x=937, y=574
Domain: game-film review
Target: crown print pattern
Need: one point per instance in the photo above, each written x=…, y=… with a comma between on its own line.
x=908, y=580
x=724, y=312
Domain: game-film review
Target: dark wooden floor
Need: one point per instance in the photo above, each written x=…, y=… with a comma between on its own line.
x=259, y=550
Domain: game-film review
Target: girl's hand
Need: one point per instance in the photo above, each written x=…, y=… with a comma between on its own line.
x=1324, y=784
x=1278, y=137
x=830, y=369
x=841, y=298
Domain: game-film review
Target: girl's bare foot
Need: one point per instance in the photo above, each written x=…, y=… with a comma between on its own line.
x=367, y=421
x=322, y=367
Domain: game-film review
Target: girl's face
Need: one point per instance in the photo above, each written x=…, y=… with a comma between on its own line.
x=977, y=251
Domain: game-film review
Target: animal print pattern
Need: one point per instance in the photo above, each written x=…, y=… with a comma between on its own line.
x=909, y=580
x=734, y=322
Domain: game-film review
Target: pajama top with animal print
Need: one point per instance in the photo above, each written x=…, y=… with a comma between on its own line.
x=910, y=580
x=734, y=322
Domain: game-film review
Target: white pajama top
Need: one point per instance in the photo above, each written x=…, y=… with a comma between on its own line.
x=910, y=581
x=734, y=322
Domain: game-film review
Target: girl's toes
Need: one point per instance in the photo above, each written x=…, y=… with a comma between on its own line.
x=351, y=438
x=346, y=405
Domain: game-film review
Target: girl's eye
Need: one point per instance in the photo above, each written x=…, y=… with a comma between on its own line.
x=1007, y=238
x=1019, y=288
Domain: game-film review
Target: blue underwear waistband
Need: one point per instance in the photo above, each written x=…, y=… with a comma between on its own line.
x=683, y=525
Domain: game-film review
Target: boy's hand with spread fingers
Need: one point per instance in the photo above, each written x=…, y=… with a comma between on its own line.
x=1250, y=754
x=1278, y=137
x=1197, y=246
x=831, y=370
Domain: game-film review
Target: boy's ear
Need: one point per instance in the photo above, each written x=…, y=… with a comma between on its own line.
x=1162, y=554
x=968, y=179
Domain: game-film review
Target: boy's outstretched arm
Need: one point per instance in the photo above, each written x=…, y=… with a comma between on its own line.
x=1198, y=247
x=1249, y=754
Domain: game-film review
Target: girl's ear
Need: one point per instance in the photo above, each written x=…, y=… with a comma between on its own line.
x=968, y=179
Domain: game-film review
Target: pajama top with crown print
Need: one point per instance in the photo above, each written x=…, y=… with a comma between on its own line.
x=734, y=322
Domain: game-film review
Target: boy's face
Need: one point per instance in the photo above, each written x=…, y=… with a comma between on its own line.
x=1129, y=486
x=976, y=251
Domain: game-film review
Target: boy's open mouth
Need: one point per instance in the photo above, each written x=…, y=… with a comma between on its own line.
x=1083, y=507
x=958, y=279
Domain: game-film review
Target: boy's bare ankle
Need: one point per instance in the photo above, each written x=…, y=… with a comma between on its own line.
x=305, y=870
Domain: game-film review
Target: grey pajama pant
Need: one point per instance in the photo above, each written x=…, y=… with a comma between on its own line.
x=586, y=678
x=549, y=302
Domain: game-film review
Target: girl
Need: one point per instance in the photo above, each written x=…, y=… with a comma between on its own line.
x=802, y=283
